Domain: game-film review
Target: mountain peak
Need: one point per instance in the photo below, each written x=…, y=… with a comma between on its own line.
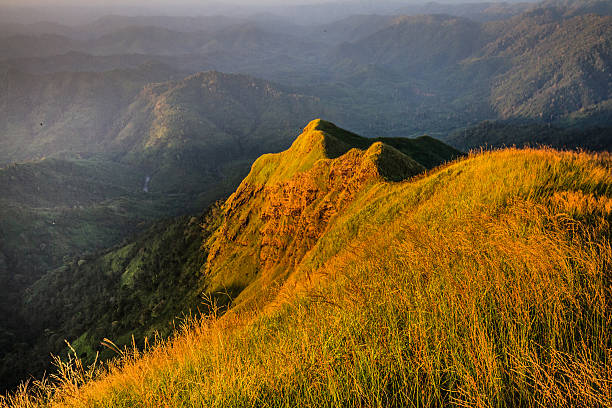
x=288, y=199
x=323, y=140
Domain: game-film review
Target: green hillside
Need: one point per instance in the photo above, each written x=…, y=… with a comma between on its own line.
x=137, y=276
x=170, y=152
x=132, y=290
x=286, y=202
x=435, y=73
x=556, y=66
x=51, y=211
x=359, y=291
x=66, y=113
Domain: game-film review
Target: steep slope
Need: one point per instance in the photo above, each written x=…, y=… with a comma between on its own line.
x=42, y=115
x=197, y=130
x=433, y=291
x=128, y=290
x=437, y=72
x=195, y=135
x=133, y=290
x=287, y=201
x=51, y=211
x=556, y=65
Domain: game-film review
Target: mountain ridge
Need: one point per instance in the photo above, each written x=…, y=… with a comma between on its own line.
x=285, y=204
x=422, y=287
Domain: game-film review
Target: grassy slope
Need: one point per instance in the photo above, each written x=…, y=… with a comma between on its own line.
x=288, y=200
x=483, y=283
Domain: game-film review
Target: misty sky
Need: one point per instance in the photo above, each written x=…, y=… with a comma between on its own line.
x=145, y=3
x=75, y=12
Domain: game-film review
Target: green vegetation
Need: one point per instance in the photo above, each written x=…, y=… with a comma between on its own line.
x=390, y=76
x=130, y=291
x=55, y=212
x=59, y=216
x=490, y=273
x=288, y=199
x=174, y=139
x=66, y=113
x=502, y=134
x=484, y=282
x=549, y=76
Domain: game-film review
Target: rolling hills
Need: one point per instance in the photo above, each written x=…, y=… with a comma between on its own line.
x=385, y=75
x=66, y=112
x=345, y=270
x=369, y=282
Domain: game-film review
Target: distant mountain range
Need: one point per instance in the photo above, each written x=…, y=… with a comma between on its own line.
x=403, y=75
x=110, y=130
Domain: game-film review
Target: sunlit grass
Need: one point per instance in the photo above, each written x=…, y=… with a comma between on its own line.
x=485, y=283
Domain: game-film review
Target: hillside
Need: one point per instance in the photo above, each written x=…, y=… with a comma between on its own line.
x=287, y=201
x=205, y=128
x=170, y=131
x=414, y=42
x=395, y=290
x=51, y=211
x=434, y=73
x=556, y=66
x=66, y=112
x=384, y=75
x=172, y=151
x=137, y=288
x=502, y=134
x=108, y=209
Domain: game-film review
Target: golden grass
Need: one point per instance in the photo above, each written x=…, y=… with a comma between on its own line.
x=486, y=283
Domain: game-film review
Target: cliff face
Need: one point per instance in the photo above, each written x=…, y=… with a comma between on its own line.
x=285, y=204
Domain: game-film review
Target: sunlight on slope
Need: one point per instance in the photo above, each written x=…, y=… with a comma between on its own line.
x=484, y=283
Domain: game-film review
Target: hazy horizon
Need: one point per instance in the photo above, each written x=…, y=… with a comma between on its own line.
x=72, y=12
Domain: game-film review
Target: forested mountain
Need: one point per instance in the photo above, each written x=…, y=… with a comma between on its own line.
x=111, y=129
x=66, y=112
x=414, y=43
x=438, y=72
x=555, y=66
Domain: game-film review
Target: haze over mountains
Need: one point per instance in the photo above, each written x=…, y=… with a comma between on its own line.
x=114, y=125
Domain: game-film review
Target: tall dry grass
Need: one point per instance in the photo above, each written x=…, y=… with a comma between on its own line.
x=484, y=284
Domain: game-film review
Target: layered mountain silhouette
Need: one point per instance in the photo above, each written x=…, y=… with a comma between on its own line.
x=403, y=74
x=117, y=138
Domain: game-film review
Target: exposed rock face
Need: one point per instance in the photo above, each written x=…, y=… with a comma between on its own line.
x=285, y=204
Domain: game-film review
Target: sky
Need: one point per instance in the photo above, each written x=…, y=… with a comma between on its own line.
x=79, y=12
x=75, y=12
x=141, y=3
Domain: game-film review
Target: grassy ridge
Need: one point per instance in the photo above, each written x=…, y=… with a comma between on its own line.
x=483, y=283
